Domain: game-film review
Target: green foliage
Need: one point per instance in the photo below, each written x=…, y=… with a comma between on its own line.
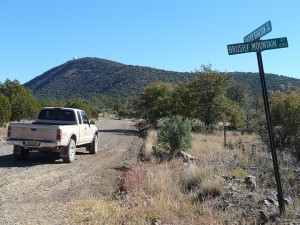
x=127, y=108
x=204, y=98
x=122, y=107
x=83, y=105
x=250, y=108
x=181, y=100
x=235, y=117
x=23, y=104
x=175, y=135
x=274, y=82
x=198, y=126
x=208, y=90
x=50, y=102
x=155, y=102
x=5, y=110
x=285, y=109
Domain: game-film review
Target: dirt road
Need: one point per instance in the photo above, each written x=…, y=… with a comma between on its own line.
x=36, y=191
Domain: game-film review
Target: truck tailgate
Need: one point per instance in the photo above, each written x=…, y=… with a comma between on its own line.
x=41, y=132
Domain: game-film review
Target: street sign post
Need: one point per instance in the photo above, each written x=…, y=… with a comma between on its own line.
x=252, y=43
x=271, y=133
x=259, y=32
x=257, y=46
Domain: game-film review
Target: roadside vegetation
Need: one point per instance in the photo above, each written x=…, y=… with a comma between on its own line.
x=174, y=191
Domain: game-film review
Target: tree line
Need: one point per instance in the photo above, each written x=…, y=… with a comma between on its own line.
x=211, y=98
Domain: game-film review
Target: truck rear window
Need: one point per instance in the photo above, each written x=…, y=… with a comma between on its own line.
x=57, y=114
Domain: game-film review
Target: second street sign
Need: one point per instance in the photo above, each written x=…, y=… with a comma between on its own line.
x=259, y=32
x=257, y=46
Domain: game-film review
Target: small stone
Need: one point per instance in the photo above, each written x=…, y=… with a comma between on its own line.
x=250, y=182
x=288, y=201
x=266, y=201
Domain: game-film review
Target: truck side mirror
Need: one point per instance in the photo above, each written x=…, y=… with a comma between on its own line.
x=92, y=122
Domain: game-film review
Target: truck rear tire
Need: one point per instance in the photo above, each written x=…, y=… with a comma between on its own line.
x=21, y=153
x=93, y=146
x=68, y=154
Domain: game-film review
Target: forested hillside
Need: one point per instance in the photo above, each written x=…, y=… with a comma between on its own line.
x=274, y=82
x=86, y=77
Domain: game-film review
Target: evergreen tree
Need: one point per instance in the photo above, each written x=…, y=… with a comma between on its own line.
x=5, y=110
x=285, y=110
x=175, y=135
x=208, y=89
x=155, y=102
x=23, y=104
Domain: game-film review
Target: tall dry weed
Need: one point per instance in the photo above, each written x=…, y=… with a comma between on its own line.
x=147, y=149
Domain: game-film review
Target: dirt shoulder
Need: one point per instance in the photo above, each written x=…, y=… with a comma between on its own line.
x=37, y=191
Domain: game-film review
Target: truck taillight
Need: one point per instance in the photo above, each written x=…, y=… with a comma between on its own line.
x=8, y=132
x=58, y=134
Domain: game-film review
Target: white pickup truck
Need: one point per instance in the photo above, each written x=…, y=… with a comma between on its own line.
x=54, y=129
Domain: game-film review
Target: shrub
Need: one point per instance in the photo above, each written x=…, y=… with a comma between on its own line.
x=131, y=180
x=198, y=126
x=175, y=135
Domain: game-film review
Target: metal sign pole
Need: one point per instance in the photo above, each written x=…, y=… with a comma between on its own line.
x=225, y=143
x=271, y=133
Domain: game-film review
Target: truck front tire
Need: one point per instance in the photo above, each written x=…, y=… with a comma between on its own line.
x=21, y=153
x=68, y=154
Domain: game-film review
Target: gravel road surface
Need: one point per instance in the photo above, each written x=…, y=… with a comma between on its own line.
x=37, y=191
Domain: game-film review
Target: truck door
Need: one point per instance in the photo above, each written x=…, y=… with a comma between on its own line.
x=88, y=131
x=82, y=128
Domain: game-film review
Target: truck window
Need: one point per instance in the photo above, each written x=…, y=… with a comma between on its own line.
x=79, y=117
x=57, y=114
x=84, y=118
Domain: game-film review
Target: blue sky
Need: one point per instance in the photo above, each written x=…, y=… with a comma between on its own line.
x=36, y=36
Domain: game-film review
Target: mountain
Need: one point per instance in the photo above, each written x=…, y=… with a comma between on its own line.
x=86, y=77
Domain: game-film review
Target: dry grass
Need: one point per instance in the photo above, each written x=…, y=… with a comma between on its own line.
x=158, y=197
x=210, y=147
x=174, y=193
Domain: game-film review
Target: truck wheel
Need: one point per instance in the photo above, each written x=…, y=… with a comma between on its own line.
x=21, y=153
x=93, y=146
x=68, y=154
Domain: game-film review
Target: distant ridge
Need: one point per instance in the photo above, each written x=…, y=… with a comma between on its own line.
x=86, y=77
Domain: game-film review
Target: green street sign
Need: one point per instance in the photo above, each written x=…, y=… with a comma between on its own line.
x=257, y=46
x=259, y=32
